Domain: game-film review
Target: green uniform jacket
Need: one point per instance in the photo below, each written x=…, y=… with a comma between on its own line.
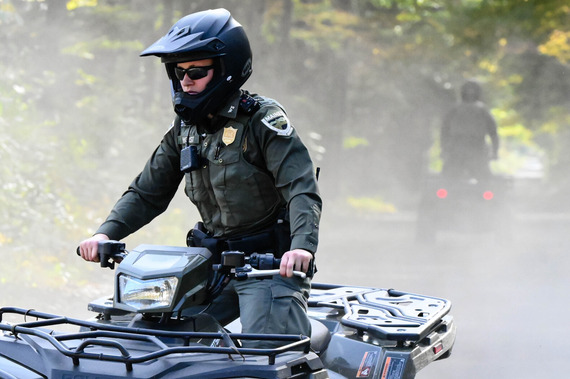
x=253, y=166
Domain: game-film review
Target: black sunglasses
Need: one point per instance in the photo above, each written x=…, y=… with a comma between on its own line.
x=193, y=73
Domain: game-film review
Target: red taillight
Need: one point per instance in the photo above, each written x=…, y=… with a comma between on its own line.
x=488, y=195
x=441, y=193
x=437, y=348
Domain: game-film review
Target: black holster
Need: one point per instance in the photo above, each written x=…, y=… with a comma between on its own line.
x=275, y=239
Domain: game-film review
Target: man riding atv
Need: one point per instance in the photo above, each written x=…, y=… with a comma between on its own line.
x=245, y=168
x=464, y=150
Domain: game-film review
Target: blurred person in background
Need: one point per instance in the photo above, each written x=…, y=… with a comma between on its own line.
x=464, y=148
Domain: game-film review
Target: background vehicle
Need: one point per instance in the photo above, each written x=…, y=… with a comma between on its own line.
x=357, y=331
x=464, y=205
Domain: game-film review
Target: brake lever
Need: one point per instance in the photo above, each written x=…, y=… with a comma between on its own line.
x=267, y=262
x=250, y=272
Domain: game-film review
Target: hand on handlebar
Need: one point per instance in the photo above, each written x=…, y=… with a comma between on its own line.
x=297, y=259
x=88, y=249
x=241, y=267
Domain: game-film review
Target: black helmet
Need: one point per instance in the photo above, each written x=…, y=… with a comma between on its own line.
x=471, y=91
x=208, y=34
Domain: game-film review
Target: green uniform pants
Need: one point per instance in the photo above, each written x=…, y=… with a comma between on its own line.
x=268, y=306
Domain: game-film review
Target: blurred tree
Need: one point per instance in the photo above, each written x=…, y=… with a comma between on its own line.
x=365, y=80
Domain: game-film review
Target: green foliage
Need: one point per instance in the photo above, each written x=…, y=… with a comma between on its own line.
x=353, y=142
x=74, y=4
x=370, y=205
x=80, y=112
x=557, y=45
x=320, y=26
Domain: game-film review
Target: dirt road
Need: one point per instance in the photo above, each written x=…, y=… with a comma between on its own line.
x=510, y=301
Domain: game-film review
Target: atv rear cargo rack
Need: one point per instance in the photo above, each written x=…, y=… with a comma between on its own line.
x=93, y=334
x=383, y=313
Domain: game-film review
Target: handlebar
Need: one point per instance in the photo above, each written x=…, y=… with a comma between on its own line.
x=110, y=252
x=255, y=265
x=270, y=266
x=233, y=263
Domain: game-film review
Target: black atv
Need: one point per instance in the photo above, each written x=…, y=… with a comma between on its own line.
x=357, y=332
x=465, y=205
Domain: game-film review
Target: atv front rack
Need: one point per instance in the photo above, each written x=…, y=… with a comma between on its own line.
x=383, y=313
x=92, y=334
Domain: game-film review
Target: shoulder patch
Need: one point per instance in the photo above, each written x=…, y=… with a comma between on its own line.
x=278, y=122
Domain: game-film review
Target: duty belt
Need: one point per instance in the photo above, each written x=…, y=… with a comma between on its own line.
x=276, y=240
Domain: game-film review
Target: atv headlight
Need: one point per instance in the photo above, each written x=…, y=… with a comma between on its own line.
x=148, y=293
x=162, y=279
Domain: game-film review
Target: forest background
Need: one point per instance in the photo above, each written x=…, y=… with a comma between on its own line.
x=365, y=82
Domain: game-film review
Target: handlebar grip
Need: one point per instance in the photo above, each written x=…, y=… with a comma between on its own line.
x=269, y=262
x=310, y=271
x=110, y=251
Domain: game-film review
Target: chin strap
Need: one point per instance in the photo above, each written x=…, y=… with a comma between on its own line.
x=182, y=108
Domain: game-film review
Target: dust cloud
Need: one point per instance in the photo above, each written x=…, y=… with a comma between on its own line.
x=509, y=297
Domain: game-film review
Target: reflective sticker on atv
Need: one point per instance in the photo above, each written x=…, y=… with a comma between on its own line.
x=278, y=122
x=366, y=369
x=393, y=368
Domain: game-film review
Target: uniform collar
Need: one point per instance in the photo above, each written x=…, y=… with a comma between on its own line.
x=230, y=109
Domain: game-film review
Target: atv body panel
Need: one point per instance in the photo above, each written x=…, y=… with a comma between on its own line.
x=370, y=332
